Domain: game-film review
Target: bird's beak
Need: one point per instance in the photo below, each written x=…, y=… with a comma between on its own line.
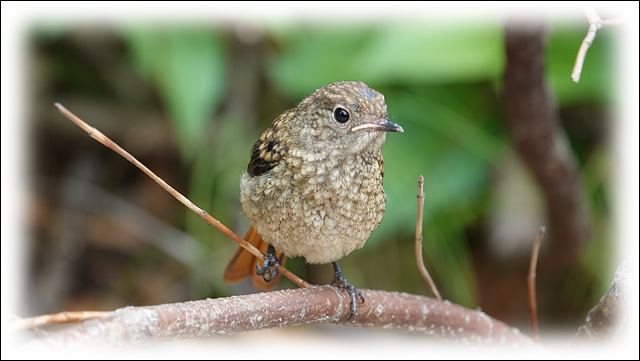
x=383, y=125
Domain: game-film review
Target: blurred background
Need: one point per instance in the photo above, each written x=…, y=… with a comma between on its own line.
x=189, y=98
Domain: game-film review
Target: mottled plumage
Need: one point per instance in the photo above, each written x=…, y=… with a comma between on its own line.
x=313, y=187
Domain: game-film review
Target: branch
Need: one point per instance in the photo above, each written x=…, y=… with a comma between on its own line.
x=595, y=24
x=137, y=326
x=104, y=140
x=607, y=319
x=531, y=283
x=419, y=259
x=55, y=319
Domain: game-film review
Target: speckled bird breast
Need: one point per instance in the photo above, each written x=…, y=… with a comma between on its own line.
x=321, y=209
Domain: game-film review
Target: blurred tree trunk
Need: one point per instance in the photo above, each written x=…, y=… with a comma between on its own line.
x=538, y=137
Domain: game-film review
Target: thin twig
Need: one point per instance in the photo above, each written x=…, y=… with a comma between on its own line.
x=595, y=24
x=531, y=283
x=56, y=318
x=419, y=259
x=104, y=140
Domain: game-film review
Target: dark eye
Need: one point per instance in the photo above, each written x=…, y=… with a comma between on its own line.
x=341, y=115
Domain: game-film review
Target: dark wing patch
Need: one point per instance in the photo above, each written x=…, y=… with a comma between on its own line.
x=269, y=150
x=265, y=155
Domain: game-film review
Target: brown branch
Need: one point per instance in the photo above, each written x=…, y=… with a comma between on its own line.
x=595, y=24
x=136, y=326
x=104, y=140
x=531, y=283
x=608, y=318
x=55, y=319
x=419, y=259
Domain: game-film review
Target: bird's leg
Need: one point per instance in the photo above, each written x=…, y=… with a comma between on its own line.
x=339, y=280
x=269, y=268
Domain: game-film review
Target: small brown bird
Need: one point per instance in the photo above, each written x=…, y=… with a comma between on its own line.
x=313, y=187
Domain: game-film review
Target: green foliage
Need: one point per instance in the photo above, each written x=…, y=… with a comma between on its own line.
x=385, y=54
x=189, y=69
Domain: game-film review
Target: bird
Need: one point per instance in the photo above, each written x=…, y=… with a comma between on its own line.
x=313, y=186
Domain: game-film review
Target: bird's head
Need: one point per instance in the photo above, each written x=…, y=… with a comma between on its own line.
x=345, y=116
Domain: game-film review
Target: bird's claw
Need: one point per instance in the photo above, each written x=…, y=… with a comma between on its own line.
x=269, y=268
x=339, y=280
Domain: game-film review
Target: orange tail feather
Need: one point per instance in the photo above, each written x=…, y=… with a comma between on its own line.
x=243, y=263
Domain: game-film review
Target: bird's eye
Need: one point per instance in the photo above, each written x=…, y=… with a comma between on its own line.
x=341, y=115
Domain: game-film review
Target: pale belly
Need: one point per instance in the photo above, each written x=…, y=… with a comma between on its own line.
x=321, y=218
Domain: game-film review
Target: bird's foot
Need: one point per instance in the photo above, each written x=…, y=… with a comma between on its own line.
x=339, y=280
x=269, y=268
